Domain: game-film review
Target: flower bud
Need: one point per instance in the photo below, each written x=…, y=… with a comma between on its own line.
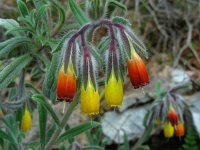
x=179, y=130
x=66, y=84
x=137, y=71
x=26, y=123
x=172, y=116
x=90, y=100
x=114, y=91
x=168, y=130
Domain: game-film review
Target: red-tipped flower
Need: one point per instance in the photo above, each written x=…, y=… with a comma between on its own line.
x=137, y=70
x=66, y=84
x=179, y=130
x=172, y=116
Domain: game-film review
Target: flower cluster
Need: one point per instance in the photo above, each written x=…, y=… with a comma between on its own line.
x=168, y=111
x=81, y=62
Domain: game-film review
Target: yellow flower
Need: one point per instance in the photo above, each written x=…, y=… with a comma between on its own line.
x=113, y=91
x=26, y=123
x=90, y=100
x=168, y=130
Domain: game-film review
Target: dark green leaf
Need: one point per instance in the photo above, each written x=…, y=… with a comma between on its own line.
x=31, y=146
x=126, y=143
x=22, y=7
x=41, y=12
x=4, y=135
x=42, y=121
x=40, y=99
x=77, y=130
x=10, y=72
x=143, y=147
x=118, y=4
x=9, y=45
x=78, y=12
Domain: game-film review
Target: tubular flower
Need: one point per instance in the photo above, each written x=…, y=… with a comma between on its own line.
x=90, y=100
x=137, y=71
x=172, y=116
x=179, y=130
x=168, y=130
x=114, y=91
x=26, y=123
x=66, y=85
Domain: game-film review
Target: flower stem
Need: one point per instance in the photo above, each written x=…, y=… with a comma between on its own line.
x=63, y=122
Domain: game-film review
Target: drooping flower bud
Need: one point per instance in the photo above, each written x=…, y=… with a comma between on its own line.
x=172, y=115
x=168, y=130
x=137, y=70
x=114, y=91
x=90, y=101
x=26, y=123
x=179, y=130
x=66, y=84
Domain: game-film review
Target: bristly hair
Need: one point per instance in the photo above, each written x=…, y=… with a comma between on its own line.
x=136, y=41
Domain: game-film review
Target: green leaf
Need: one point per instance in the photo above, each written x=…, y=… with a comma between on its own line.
x=77, y=130
x=58, y=47
x=118, y=4
x=40, y=99
x=120, y=20
x=126, y=143
x=42, y=121
x=10, y=72
x=9, y=24
x=92, y=148
x=31, y=146
x=41, y=12
x=22, y=7
x=8, y=45
x=4, y=135
x=78, y=13
x=143, y=147
x=61, y=19
x=49, y=87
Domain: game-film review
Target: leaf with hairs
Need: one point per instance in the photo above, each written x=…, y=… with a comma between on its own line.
x=77, y=130
x=40, y=99
x=10, y=72
x=22, y=7
x=118, y=4
x=78, y=13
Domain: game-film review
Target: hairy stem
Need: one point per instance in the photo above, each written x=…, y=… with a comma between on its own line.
x=63, y=122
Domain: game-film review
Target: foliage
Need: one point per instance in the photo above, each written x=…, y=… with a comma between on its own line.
x=190, y=140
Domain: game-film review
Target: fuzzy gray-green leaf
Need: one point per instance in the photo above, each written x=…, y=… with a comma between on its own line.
x=10, y=72
x=42, y=121
x=77, y=130
x=78, y=12
x=40, y=99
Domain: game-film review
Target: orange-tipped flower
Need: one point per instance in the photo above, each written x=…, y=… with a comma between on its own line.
x=90, y=100
x=172, y=115
x=137, y=70
x=168, y=130
x=66, y=85
x=179, y=130
x=114, y=91
x=26, y=123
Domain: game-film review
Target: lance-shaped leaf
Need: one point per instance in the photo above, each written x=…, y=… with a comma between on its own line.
x=9, y=45
x=40, y=99
x=78, y=12
x=118, y=4
x=9, y=24
x=51, y=78
x=22, y=7
x=120, y=20
x=10, y=72
x=77, y=130
x=42, y=121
